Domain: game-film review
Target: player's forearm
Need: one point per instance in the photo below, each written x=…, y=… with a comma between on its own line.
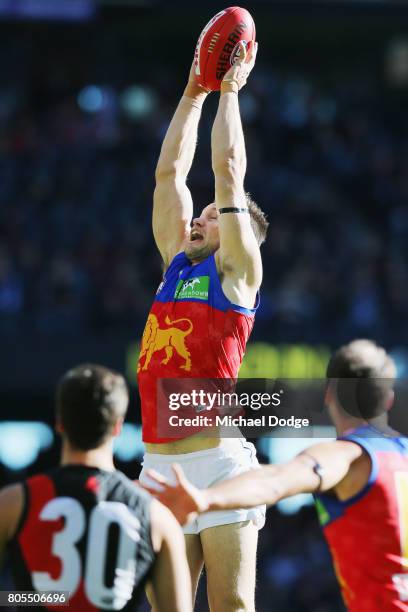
x=253, y=488
x=267, y=485
x=227, y=141
x=179, y=144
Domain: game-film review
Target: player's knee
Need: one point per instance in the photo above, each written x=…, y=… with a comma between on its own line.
x=232, y=601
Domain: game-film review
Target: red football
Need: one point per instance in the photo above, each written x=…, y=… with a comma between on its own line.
x=217, y=45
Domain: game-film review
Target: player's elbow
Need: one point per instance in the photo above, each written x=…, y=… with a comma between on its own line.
x=229, y=164
x=170, y=170
x=166, y=171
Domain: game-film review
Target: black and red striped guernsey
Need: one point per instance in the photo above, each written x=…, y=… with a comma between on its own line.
x=86, y=531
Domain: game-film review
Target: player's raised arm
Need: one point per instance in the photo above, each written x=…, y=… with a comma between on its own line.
x=239, y=250
x=172, y=203
x=320, y=468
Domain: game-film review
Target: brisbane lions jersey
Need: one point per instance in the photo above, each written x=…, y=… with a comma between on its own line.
x=193, y=331
x=368, y=533
x=85, y=531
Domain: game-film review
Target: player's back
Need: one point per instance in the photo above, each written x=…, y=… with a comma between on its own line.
x=86, y=531
x=368, y=533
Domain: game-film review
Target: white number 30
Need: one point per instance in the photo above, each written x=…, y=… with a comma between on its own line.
x=64, y=547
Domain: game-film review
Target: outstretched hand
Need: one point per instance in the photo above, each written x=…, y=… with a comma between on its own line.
x=183, y=498
x=239, y=72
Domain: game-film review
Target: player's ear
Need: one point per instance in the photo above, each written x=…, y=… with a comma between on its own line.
x=390, y=400
x=329, y=393
x=117, y=428
x=59, y=428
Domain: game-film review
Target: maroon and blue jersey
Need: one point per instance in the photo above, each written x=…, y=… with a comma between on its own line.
x=368, y=533
x=85, y=531
x=193, y=331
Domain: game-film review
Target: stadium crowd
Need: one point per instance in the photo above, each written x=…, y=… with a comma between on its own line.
x=327, y=162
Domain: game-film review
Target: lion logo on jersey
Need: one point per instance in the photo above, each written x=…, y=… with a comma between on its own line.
x=170, y=339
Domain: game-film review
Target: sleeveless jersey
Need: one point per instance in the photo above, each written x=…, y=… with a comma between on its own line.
x=193, y=331
x=368, y=533
x=85, y=531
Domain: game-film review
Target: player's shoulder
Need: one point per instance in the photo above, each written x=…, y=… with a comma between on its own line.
x=11, y=508
x=126, y=490
x=372, y=440
x=10, y=494
x=175, y=262
x=79, y=480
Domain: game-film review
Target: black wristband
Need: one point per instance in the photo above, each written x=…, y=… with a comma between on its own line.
x=232, y=209
x=317, y=469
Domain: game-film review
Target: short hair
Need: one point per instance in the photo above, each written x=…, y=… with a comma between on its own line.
x=89, y=401
x=365, y=376
x=259, y=222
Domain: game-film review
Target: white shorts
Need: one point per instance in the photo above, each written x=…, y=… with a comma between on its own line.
x=205, y=468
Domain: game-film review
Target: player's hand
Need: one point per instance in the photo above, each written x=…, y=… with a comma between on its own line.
x=193, y=86
x=183, y=498
x=238, y=74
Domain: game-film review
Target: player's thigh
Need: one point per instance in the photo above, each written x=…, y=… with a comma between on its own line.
x=195, y=559
x=230, y=562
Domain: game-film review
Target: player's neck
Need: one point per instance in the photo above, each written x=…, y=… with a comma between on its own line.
x=100, y=458
x=345, y=424
x=380, y=424
x=198, y=260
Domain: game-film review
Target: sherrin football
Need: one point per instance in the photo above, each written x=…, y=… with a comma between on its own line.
x=217, y=46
